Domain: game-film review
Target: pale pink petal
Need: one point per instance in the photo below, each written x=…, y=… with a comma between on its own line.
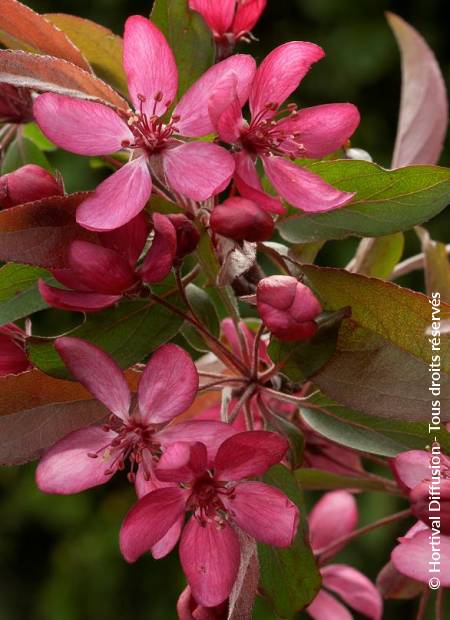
x=353, y=588
x=146, y=481
x=98, y=372
x=182, y=462
x=303, y=189
x=247, y=182
x=129, y=240
x=168, y=384
x=210, y=432
x=247, y=14
x=198, y=170
x=218, y=15
x=160, y=257
x=150, y=520
x=225, y=109
x=193, y=108
x=117, y=200
x=150, y=66
x=333, y=516
x=75, y=300
x=326, y=607
x=249, y=454
x=100, y=269
x=263, y=512
x=411, y=468
x=66, y=467
x=412, y=557
x=210, y=557
x=165, y=545
x=79, y=126
x=281, y=72
x=321, y=129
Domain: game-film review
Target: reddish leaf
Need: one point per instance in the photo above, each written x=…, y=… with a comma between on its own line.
x=48, y=74
x=423, y=120
x=37, y=233
x=21, y=28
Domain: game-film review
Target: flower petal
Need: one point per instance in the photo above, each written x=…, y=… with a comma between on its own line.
x=225, y=109
x=412, y=556
x=218, y=15
x=75, y=300
x=129, y=240
x=118, y=199
x=303, y=189
x=210, y=557
x=263, y=512
x=411, y=468
x=160, y=257
x=212, y=433
x=165, y=545
x=66, y=467
x=353, y=588
x=249, y=454
x=80, y=126
x=281, y=72
x=193, y=108
x=168, y=384
x=249, y=186
x=333, y=516
x=149, y=521
x=325, y=607
x=182, y=462
x=150, y=66
x=98, y=372
x=198, y=170
x=247, y=14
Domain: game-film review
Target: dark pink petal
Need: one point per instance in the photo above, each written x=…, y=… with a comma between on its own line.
x=303, y=189
x=412, y=556
x=146, y=481
x=210, y=432
x=26, y=184
x=218, y=15
x=13, y=359
x=247, y=14
x=230, y=333
x=210, y=556
x=150, y=66
x=248, y=183
x=193, y=108
x=70, y=280
x=198, y=170
x=100, y=269
x=182, y=462
x=75, y=300
x=249, y=454
x=326, y=607
x=150, y=520
x=322, y=129
x=165, y=545
x=117, y=200
x=168, y=384
x=160, y=257
x=281, y=72
x=98, y=372
x=333, y=516
x=129, y=240
x=66, y=467
x=241, y=219
x=353, y=588
x=411, y=467
x=80, y=126
x=263, y=512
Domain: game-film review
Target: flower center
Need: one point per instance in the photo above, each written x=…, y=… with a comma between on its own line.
x=205, y=500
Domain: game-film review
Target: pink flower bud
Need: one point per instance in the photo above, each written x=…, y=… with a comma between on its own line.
x=242, y=220
x=187, y=234
x=27, y=184
x=430, y=499
x=287, y=308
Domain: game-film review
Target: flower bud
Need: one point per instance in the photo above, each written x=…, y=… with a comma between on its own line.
x=287, y=308
x=27, y=184
x=431, y=500
x=13, y=359
x=187, y=234
x=242, y=220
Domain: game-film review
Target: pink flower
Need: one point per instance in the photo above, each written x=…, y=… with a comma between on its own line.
x=27, y=184
x=287, y=307
x=197, y=170
x=241, y=219
x=219, y=498
x=336, y=515
x=16, y=104
x=13, y=359
x=99, y=275
x=189, y=609
x=275, y=133
x=229, y=20
x=136, y=433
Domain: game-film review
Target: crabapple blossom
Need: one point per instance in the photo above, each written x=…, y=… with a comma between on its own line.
x=27, y=184
x=241, y=219
x=13, y=359
x=220, y=499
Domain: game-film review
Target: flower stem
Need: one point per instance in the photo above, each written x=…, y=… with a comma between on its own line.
x=440, y=604
x=423, y=604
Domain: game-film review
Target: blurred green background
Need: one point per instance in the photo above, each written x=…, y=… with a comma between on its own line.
x=59, y=557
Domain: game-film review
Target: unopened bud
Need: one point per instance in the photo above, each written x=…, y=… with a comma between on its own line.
x=187, y=234
x=27, y=184
x=242, y=220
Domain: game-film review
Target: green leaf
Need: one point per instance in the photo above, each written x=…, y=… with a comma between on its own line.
x=377, y=257
x=188, y=36
x=33, y=133
x=289, y=578
x=22, y=151
x=128, y=332
x=386, y=201
x=320, y=480
x=19, y=295
x=437, y=265
x=204, y=310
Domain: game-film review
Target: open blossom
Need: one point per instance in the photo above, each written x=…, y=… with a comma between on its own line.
x=135, y=433
x=13, y=359
x=229, y=20
x=334, y=516
x=220, y=498
x=26, y=184
x=196, y=170
x=276, y=134
x=99, y=275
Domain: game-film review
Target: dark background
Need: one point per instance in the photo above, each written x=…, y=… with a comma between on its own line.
x=59, y=557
